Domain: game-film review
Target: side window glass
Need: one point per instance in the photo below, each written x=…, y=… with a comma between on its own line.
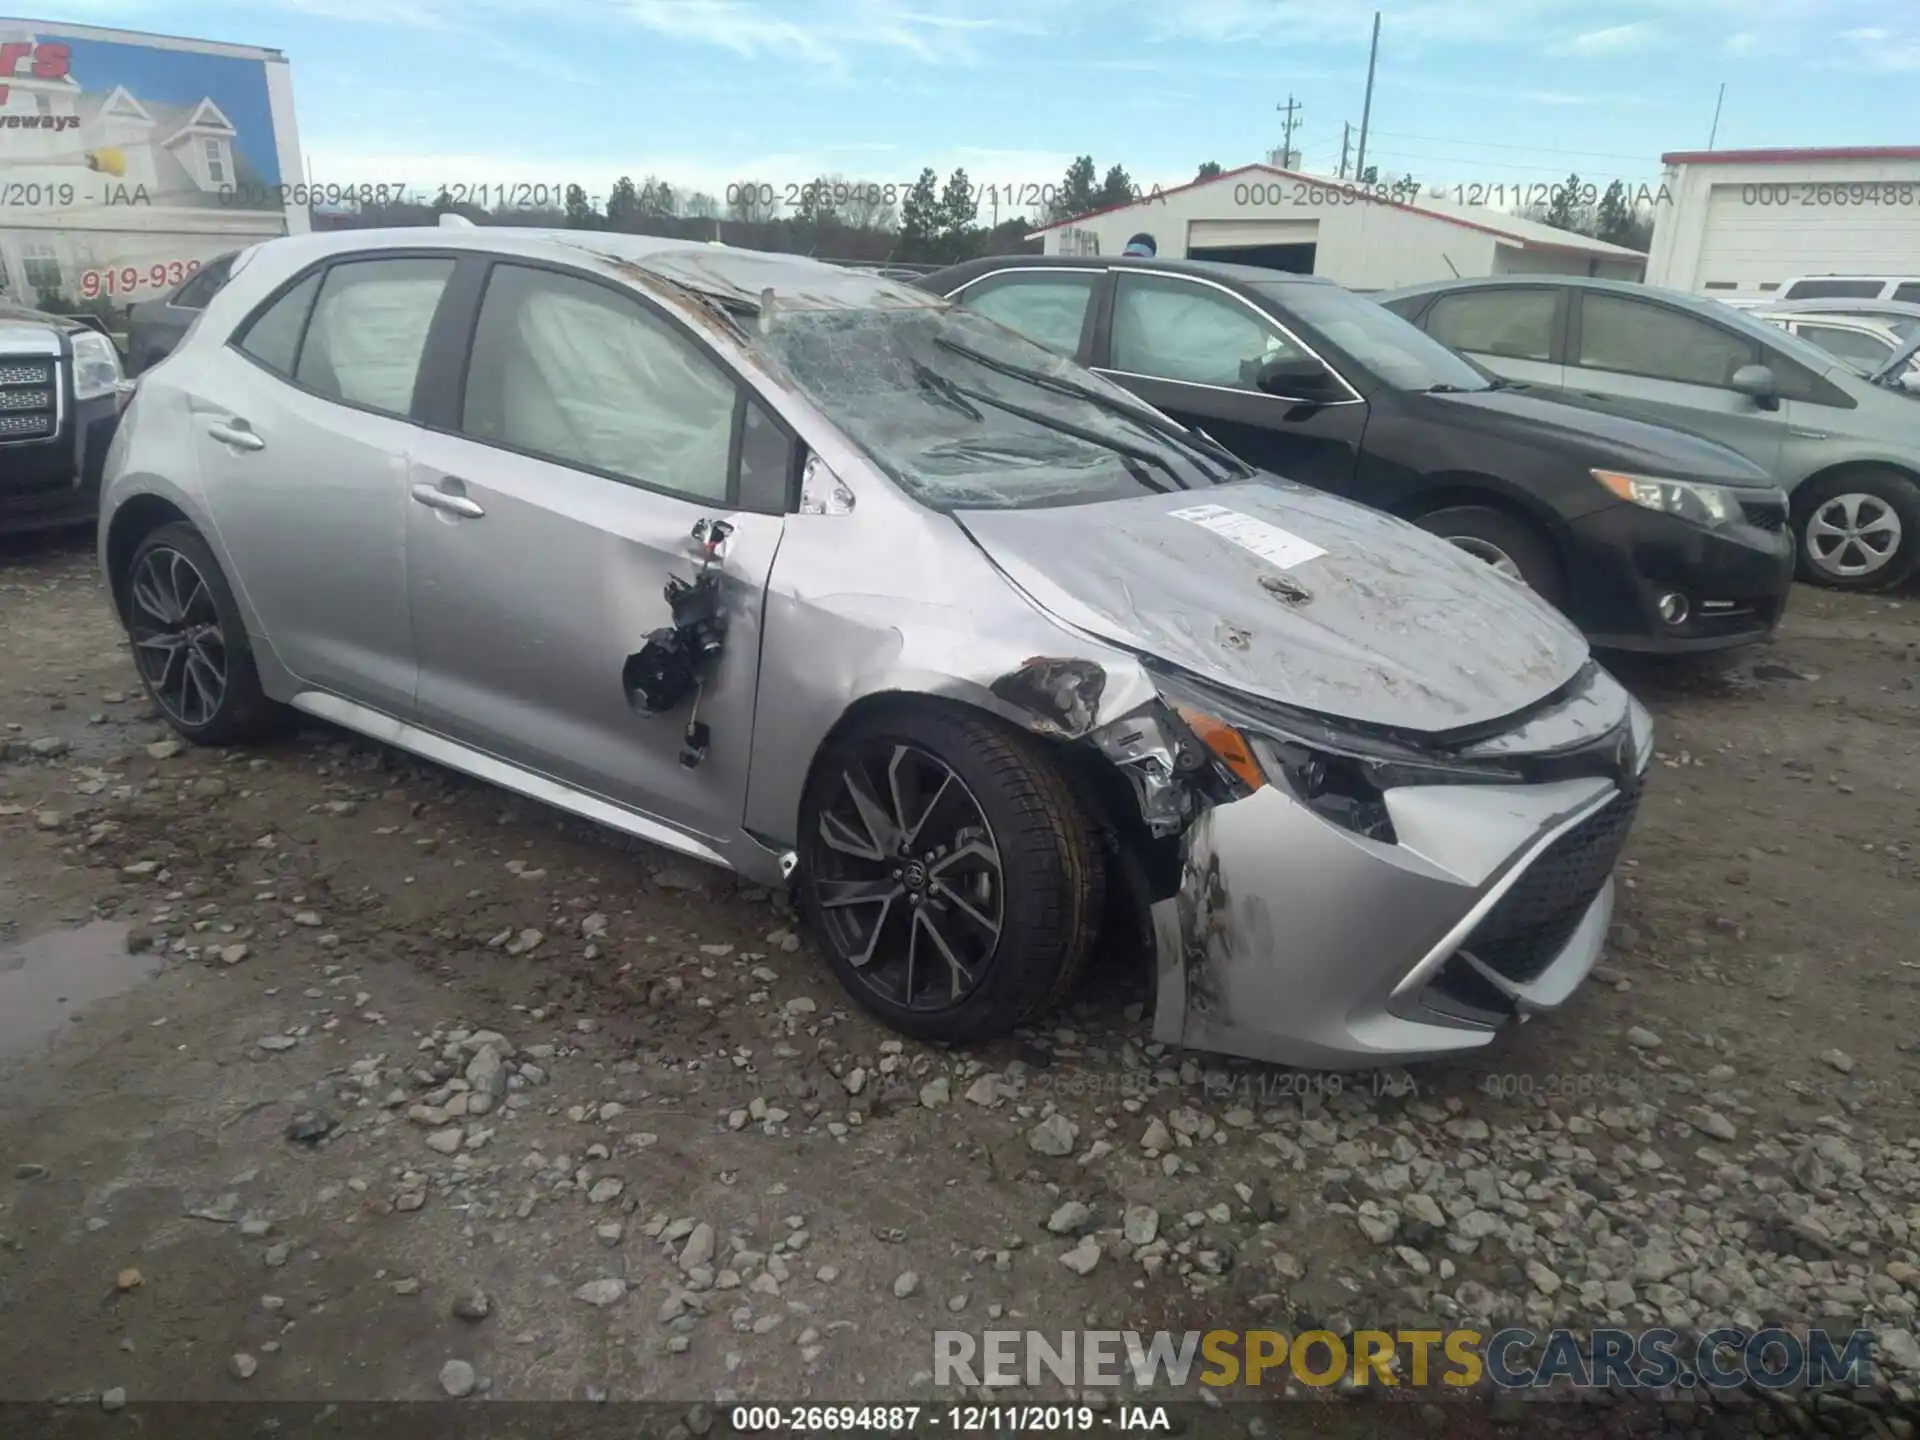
x=1515, y=323
x=1049, y=310
x=273, y=337
x=574, y=372
x=1650, y=340
x=368, y=329
x=1177, y=330
x=1856, y=345
x=204, y=285
x=766, y=461
x=1910, y=291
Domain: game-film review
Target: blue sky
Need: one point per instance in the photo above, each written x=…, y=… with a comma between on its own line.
x=704, y=92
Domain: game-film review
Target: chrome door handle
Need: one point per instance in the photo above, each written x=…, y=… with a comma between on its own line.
x=437, y=499
x=237, y=435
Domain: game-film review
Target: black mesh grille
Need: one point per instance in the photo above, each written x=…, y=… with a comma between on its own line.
x=1533, y=921
x=1764, y=514
x=27, y=408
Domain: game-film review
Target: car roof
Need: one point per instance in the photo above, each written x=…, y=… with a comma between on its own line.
x=1868, y=323
x=735, y=278
x=1843, y=305
x=1201, y=269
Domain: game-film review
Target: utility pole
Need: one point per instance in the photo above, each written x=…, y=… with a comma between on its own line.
x=1714, y=133
x=1346, y=136
x=1286, y=142
x=1366, y=110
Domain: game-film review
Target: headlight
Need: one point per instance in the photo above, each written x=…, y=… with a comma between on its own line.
x=1709, y=505
x=96, y=366
x=1336, y=771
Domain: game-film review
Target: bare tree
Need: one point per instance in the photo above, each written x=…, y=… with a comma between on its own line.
x=868, y=208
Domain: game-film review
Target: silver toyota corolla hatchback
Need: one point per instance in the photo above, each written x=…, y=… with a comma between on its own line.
x=811, y=574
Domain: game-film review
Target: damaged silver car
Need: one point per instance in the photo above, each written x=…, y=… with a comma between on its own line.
x=813, y=575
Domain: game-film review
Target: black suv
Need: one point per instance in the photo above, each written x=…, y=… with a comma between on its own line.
x=61, y=393
x=1648, y=539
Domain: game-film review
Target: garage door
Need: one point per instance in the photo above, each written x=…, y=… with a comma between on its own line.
x=1763, y=234
x=1239, y=234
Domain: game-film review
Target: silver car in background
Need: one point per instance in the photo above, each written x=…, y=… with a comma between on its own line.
x=813, y=575
x=1844, y=447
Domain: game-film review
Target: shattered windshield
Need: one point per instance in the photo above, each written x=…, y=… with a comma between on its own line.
x=937, y=398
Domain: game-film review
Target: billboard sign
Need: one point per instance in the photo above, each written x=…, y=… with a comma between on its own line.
x=127, y=159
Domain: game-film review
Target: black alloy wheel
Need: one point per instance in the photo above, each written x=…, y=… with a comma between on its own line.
x=908, y=877
x=948, y=871
x=178, y=641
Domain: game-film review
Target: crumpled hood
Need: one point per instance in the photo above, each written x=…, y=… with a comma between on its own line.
x=1293, y=595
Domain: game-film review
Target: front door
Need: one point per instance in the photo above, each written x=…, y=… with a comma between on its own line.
x=1661, y=364
x=1190, y=348
x=303, y=437
x=594, y=434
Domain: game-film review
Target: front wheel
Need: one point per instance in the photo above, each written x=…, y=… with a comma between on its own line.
x=1513, y=547
x=948, y=872
x=1859, y=531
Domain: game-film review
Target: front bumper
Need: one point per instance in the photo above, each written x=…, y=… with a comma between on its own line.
x=46, y=484
x=1734, y=580
x=1293, y=941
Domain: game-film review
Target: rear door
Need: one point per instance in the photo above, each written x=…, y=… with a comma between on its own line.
x=574, y=448
x=1053, y=307
x=302, y=424
x=1518, y=331
x=1658, y=363
x=1190, y=348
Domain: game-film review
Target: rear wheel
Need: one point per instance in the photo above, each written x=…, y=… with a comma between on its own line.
x=948, y=872
x=189, y=642
x=1511, y=546
x=1858, y=531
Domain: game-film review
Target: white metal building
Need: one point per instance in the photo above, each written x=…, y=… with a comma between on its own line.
x=1311, y=224
x=1739, y=222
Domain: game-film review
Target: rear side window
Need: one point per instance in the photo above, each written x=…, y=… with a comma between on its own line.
x=205, y=284
x=1859, y=346
x=1514, y=323
x=1634, y=338
x=574, y=372
x=368, y=329
x=274, y=337
x=1909, y=291
x=1049, y=310
x=1832, y=290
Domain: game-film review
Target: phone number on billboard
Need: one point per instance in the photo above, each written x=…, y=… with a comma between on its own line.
x=125, y=279
x=1863, y=194
x=254, y=195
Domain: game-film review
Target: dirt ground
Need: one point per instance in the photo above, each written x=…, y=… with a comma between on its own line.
x=245, y=998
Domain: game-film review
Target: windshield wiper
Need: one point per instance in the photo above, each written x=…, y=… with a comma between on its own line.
x=1138, y=456
x=1443, y=388
x=1146, y=420
x=935, y=383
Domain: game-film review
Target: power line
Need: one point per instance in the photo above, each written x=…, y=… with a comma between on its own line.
x=1529, y=149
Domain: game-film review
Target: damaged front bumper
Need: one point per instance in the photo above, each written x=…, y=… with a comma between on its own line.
x=1297, y=941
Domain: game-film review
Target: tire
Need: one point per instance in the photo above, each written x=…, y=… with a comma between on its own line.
x=1480, y=529
x=1047, y=887
x=210, y=627
x=1884, y=507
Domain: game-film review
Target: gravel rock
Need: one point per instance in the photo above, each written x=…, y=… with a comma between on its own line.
x=1642, y=1038
x=699, y=1248
x=1839, y=1060
x=905, y=1283
x=1054, y=1136
x=936, y=1093
x=242, y=1365
x=457, y=1379
x=1083, y=1257
x=1141, y=1225
x=1069, y=1218
x=602, y=1292
x=474, y=1305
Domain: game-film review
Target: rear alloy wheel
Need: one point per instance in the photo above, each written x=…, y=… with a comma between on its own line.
x=1511, y=546
x=1859, y=531
x=948, y=873
x=189, y=643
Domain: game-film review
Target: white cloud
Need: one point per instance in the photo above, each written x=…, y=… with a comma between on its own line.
x=1612, y=40
x=822, y=32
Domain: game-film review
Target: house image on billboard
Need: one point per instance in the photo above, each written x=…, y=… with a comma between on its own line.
x=136, y=156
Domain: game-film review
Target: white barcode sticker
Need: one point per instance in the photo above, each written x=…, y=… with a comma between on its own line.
x=1281, y=548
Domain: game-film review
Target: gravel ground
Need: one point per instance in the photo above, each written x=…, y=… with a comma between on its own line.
x=327, y=1074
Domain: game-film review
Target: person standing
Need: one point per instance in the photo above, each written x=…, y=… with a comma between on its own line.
x=1141, y=247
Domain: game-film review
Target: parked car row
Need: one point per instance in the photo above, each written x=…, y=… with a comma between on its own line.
x=1845, y=447
x=817, y=575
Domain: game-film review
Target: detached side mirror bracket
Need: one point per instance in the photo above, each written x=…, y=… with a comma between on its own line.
x=676, y=659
